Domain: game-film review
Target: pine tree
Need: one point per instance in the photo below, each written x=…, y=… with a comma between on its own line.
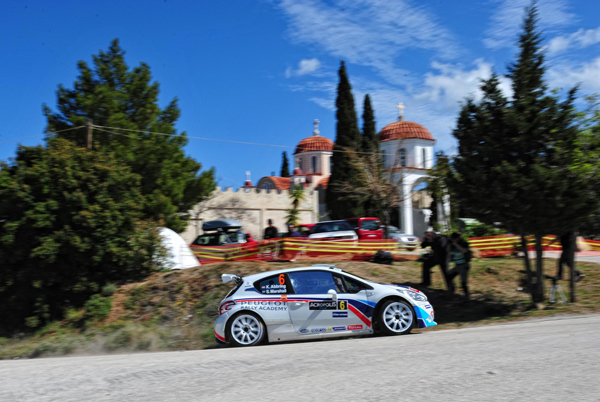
x=69, y=224
x=348, y=138
x=112, y=95
x=370, y=142
x=520, y=161
x=285, y=169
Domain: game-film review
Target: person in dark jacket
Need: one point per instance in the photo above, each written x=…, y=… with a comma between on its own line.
x=440, y=247
x=292, y=232
x=461, y=256
x=271, y=231
x=569, y=247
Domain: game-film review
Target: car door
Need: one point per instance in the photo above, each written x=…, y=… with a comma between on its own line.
x=314, y=310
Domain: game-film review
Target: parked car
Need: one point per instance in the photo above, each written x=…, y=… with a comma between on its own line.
x=305, y=228
x=333, y=230
x=366, y=228
x=220, y=232
x=408, y=240
x=314, y=302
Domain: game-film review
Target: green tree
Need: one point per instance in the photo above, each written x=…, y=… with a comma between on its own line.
x=69, y=224
x=285, y=168
x=297, y=195
x=370, y=142
x=520, y=160
x=112, y=95
x=348, y=138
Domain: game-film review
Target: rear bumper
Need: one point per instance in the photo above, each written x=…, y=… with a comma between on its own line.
x=220, y=328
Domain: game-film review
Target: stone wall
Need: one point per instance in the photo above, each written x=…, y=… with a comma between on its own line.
x=252, y=207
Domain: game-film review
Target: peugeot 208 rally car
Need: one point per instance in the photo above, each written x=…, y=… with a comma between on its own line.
x=316, y=302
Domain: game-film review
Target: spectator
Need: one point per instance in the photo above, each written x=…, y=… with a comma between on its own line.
x=271, y=231
x=250, y=240
x=440, y=247
x=292, y=232
x=461, y=256
x=567, y=257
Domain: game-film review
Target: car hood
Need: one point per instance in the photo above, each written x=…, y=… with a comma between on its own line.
x=394, y=286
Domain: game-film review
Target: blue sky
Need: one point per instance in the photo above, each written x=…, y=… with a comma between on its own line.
x=261, y=71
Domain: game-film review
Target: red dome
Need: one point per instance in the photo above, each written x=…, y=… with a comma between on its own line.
x=403, y=130
x=314, y=144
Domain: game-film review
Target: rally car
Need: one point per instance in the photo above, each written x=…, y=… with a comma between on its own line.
x=316, y=302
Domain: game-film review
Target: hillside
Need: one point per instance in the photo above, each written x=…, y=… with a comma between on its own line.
x=175, y=310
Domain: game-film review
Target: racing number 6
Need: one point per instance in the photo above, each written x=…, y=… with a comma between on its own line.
x=342, y=305
x=282, y=279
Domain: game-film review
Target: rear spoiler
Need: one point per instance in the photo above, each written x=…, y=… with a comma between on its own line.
x=231, y=278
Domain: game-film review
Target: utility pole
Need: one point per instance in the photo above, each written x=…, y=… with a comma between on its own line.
x=89, y=134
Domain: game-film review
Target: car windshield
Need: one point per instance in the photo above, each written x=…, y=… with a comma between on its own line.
x=335, y=226
x=370, y=225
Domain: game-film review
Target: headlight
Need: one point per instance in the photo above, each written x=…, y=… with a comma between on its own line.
x=413, y=295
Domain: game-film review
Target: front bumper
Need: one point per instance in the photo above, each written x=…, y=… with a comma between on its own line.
x=425, y=315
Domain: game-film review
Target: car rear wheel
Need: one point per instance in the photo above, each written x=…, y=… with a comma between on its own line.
x=245, y=329
x=396, y=317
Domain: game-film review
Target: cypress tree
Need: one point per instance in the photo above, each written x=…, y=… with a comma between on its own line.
x=285, y=168
x=347, y=138
x=370, y=142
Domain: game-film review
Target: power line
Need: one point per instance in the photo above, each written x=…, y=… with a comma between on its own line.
x=41, y=135
x=103, y=128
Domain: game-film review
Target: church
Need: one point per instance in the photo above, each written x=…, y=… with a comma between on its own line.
x=407, y=152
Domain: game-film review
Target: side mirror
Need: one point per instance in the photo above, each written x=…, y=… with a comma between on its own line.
x=333, y=294
x=229, y=278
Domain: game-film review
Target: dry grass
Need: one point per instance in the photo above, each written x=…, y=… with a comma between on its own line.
x=176, y=310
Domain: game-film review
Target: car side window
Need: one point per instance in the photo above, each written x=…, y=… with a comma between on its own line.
x=276, y=284
x=313, y=282
x=352, y=285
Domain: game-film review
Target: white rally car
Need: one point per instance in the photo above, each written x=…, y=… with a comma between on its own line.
x=316, y=302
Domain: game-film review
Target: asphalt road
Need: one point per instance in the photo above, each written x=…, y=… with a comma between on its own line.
x=554, y=359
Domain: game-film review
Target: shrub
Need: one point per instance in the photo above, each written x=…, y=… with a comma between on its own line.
x=98, y=307
x=108, y=290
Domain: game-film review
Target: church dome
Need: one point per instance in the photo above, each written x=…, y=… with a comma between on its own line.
x=314, y=144
x=404, y=130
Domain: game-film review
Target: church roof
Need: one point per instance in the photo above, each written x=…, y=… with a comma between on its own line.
x=314, y=144
x=324, y=182
x=281, y=183
x=403, y=130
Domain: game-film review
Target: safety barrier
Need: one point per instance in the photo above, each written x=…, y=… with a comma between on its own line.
x=286, y=249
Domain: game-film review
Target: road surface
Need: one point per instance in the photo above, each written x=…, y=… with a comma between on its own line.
x=554, y=359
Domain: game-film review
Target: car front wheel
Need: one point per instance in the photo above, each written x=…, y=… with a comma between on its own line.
x=396, y=317
x=245, y=329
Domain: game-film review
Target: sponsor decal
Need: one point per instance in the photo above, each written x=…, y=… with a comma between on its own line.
x=339, y=328
x=415, y=290
x=273, y=289
x=354, y=327
x=328, y=305
x=262, y=305
x=340, y=314
x=284, y=298
x=428, y=306
x=303, y=330
x=318, y=330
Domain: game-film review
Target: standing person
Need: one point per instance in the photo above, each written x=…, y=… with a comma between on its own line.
x=441, y=252
x=461, y=255
x=292, y=232
x=271, y=231
x=567, y=256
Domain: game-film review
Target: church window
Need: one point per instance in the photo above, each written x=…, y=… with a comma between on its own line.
x=300, y=163
x=424, y=158
x=402, y=156
x=267, y=186
x=383, y=157
x=313, y=164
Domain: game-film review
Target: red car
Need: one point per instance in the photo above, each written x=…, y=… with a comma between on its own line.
x=367, y=228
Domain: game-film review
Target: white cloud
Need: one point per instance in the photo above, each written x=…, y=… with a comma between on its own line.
x=506, y=22
x=453, y=84
x=369, y=33
x=567, y=76
x=577, y=40
x=305, y=66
